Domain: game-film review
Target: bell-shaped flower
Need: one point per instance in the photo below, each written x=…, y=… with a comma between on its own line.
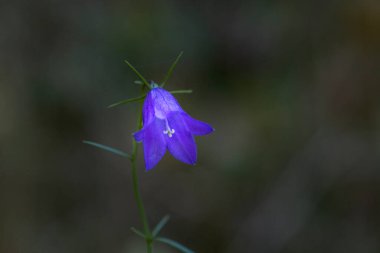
x=167, y=126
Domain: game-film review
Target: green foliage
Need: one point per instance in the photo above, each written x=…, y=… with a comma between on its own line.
x=138, y=74
x=127, y=101
x=160, y=225
x=137, y=232
x=170, y=71
x=181, y=91
x=108, y=149
x=174, y=244
x=140, y=98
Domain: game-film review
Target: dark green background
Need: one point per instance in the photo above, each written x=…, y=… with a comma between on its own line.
x=291, y=87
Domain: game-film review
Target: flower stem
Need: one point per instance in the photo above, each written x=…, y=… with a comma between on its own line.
x=137, y=195
x=140, y=206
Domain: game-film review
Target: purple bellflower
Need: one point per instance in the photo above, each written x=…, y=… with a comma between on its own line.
x=167, y=126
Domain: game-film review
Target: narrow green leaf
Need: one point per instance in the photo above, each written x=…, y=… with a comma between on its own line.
x=138, y=82
x=170, y=71
x=138, y=232
x=180, y=91
x=174, y=244
x=136, y=99
x=109, y=149
x=160, y=225
x=126, y=101
x=138, y=74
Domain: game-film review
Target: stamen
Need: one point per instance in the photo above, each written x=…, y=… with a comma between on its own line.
x=169, y=131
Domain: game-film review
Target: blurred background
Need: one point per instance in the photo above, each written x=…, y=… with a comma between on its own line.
x=291, y=87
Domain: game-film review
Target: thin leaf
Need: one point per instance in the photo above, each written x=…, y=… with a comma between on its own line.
x=174, y=244
x=138, y=74
x=181, y=91
x=137, y=232
x=170, y=71
x=126, y=101
x=109, y=149
x=160, y=225
x=136, y=99
x=138, y=82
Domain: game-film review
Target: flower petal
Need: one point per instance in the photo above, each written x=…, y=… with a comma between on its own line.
x=139, y=136
x=154, y=143
x=181, y=144
x=148, y=109
x=197, y=127
x=164, y=103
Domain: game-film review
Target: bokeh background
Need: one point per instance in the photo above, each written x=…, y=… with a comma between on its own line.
x=291, y=87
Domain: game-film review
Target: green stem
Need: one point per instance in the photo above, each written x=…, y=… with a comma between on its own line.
x=137, y=195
